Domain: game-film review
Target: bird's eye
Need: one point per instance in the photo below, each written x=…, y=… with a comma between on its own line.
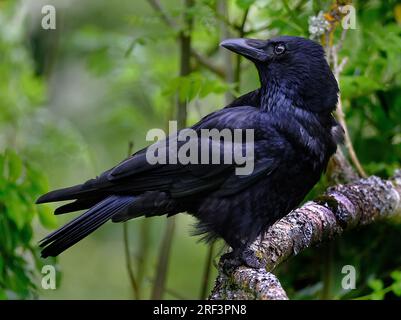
x=279, y=49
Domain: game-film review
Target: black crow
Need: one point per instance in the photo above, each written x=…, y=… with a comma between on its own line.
x=295, y=134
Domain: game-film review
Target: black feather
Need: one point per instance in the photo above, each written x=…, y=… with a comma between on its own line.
x=69, y=193
x=77, y=205
x=80, y=227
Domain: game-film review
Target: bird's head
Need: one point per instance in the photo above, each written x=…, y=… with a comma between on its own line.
x=293, y=66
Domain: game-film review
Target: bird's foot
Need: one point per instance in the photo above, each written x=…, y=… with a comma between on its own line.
x=232, y=260
x=250, y=260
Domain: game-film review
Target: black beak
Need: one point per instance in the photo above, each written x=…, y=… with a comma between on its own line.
x=252, y=49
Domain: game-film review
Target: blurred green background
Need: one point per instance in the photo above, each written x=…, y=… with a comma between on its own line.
x=73, y=98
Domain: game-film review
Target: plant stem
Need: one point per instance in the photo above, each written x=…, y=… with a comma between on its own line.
x=171, y=292
x=369, y=296
x=237, y=72
x=163, y=260
x=185, y=69
x=207, y=272
x=169, y=21
x=127, y=255
x=340, y=113
x=227, y=56
x=134, y=284
x=347, y=139
x=143, y=253
x=328, y=254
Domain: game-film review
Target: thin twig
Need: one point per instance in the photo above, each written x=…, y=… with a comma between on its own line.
x=170, y=291
x=156, y=5
x=205, y=62
x=134, y=283
x=143, y=251
x=332, y=52
x=340, y=43
x=327, y=262
x=207, y=272
x=341, y=116
x=222, y=17
x=291, y=13
x=257, y=30
x=226, y=55
x=237, y=72
x=243, y=22
x=327, y=48
x=348, y=143
x=163, y=260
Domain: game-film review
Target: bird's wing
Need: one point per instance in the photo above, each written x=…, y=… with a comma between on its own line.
x=137, y=175
x=251, y=98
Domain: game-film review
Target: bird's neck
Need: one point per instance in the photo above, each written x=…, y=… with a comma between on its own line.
x=291, y=88
x=277, y=96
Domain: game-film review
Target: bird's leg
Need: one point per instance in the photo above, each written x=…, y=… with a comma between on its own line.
x=230, y=261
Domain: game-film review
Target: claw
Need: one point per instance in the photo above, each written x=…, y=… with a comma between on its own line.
x=250, y=260
x=232, y=260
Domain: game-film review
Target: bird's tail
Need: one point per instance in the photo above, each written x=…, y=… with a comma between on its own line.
x=77, y=229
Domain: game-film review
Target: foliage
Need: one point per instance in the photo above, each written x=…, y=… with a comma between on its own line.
x=195, y=86
x=20, y=181
x=20, y=184
x=379, y=290
x=20, y=90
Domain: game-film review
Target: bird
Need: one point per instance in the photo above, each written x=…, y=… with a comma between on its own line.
x=295, y=135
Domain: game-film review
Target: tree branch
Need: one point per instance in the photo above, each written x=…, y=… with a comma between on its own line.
x=341, y=208
x=169, y=21
x=205, y=62
x=251, y=284
x=156, y=5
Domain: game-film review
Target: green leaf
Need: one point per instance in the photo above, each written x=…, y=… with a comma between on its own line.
x=15, y=209
x=375, y=284
x=20, y=281
x=357, y=86
x=396, y=275
x=26, y=234
x=6, y=235
x=37, y=181
x=396, y=288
